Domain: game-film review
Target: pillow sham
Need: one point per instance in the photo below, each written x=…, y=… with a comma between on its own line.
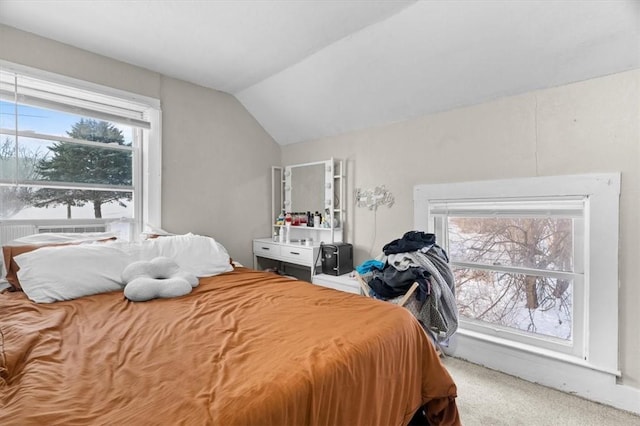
x=9, y=253
x=20, y=245
x=52, y=274
x=36, y=241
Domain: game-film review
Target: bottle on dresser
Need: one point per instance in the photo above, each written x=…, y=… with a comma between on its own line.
x=287, y=227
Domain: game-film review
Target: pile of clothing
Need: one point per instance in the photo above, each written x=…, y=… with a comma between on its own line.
x=416, y=258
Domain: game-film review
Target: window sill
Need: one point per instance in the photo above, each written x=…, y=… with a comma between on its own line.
x=534, y=350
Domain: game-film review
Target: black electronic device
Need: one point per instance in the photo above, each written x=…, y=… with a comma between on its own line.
x=337, y=258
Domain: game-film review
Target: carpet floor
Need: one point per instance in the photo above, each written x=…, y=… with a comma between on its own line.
x=491, y=398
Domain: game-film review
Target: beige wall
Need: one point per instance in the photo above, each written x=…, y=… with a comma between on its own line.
x=216, y=157
x=591, y=126
x=216, y=167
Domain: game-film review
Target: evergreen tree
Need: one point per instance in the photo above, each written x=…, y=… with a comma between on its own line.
x=86, y=164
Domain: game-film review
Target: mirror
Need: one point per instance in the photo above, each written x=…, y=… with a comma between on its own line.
x=307, y=185
x=307, y=188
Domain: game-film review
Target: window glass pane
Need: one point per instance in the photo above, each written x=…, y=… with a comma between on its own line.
x=533, y=304
x=23, y=167
x=12, y=201
x=29, y=202
x=70, y=162
x=7, y=115
x=8, y=163
x=540, y=243
x=59, y=161
x=58, y=123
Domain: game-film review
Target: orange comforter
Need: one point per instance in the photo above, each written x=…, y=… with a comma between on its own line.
x=244, y=348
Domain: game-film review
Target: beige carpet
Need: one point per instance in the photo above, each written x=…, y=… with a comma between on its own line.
x=488, y=397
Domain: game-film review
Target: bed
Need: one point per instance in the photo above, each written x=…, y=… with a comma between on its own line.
x=245, y=347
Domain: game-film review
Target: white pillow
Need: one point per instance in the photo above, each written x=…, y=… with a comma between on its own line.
x=158, y=278
x=51, y=274
x=200, y=255
x=137, y=250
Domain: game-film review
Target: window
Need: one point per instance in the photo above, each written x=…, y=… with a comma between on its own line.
x=535, y=261
x=518, y=265
x=71, y=150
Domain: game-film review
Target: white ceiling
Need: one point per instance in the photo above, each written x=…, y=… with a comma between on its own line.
x=308, y=69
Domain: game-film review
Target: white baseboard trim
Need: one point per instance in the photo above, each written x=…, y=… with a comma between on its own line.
x=575, y=379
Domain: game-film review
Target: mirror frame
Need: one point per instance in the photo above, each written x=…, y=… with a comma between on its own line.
x=277, y=192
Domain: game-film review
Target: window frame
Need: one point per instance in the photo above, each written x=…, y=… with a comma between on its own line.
x=147, y=152
x=601, y=217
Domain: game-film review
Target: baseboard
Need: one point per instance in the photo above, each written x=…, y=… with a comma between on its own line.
x=591, y=384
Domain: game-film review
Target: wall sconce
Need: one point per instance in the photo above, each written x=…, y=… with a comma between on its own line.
x=372, y=198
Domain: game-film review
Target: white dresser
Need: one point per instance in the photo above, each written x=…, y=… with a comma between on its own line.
x=293, y=253
x=303, y=256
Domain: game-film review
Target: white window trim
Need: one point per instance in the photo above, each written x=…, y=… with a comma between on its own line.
x=601, y=262
x=151, y=170
x=148, y=167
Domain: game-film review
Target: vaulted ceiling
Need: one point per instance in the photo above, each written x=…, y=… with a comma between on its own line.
x=309, y=69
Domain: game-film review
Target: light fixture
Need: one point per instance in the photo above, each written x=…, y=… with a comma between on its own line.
x=372, y=198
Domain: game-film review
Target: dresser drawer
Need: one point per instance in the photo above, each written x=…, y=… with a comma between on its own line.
x=297, y=254
x=266, y=249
